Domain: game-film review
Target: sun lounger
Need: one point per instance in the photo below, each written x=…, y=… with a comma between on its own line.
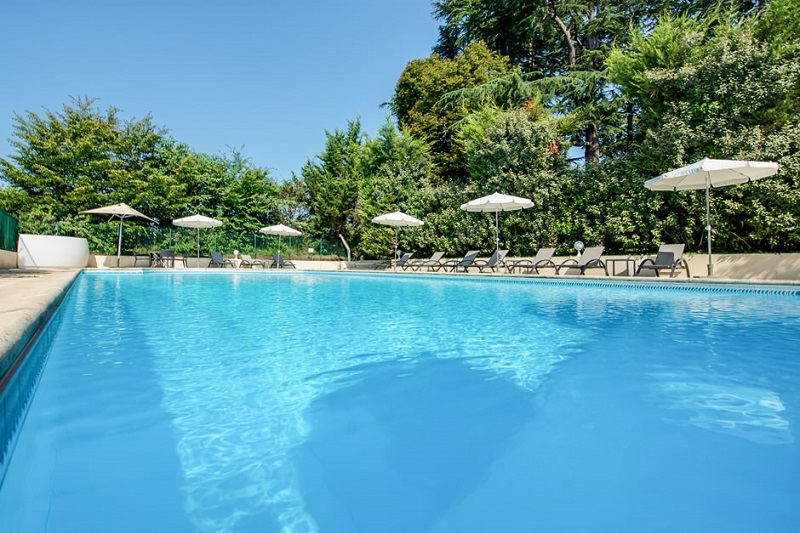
x=434, y=261
x=454, y=264
x=493, y=263
x=218, y=261
x=543, y=258
x=669, y=257
x=248, y=261
x=280, y=262
x=591, y=258
x=166, y=259
x=403, y=262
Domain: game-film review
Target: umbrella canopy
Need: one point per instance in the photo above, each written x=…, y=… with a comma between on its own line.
x=120, y=211
x=280, y=230
x=197, y=221
x=497, y=202
x=494, y=203
x=397, y=219
x=709, y=173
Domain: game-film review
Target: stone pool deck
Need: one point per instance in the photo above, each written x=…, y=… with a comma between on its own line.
x=27, y=298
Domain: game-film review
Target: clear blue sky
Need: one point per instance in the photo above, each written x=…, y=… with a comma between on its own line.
x=266, y=77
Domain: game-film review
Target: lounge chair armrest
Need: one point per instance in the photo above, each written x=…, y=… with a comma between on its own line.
x=647, y=262
x=452, y=264
x=445, y=264
x=485, y=265
x=568, y=263
x=434, y=266
x=519, y=263
x=594, y=263
x=544, y=263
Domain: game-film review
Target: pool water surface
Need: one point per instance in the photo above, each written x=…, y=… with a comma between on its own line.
x=261, y=401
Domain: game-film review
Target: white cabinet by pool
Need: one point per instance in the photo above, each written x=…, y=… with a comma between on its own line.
x=50, y=251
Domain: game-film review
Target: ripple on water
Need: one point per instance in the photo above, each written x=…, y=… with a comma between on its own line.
x=291, y=395
x=239, y=388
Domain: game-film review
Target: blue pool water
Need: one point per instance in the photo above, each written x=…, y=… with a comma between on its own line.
x=260, y=402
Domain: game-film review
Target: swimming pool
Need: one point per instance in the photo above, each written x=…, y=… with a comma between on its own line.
x=261, y=401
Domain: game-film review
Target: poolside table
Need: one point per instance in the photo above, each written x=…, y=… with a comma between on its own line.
x=630, y=265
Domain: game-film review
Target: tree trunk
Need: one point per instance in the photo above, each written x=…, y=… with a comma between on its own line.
x=629, y=126
x=591, y=149
x=565, y=32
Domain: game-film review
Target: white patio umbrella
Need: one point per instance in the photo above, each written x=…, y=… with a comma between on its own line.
x=120, y=211
x=397, y=219
x=709, y=173
x=197, y=221
x=494, y=203
x=281, y=231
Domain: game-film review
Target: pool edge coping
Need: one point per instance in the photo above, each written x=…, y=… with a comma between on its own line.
x=26, y=322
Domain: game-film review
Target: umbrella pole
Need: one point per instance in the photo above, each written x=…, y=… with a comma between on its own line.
x=198, y=247
x=280, y=259
x=497, y=231
x=708, y=228
x=394, y=262
x=119, y=242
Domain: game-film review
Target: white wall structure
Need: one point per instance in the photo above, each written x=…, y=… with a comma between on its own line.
x=50, y=251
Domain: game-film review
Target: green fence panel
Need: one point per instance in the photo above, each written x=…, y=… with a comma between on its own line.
x=9, y=231
x=143, y=238
x=137, y=238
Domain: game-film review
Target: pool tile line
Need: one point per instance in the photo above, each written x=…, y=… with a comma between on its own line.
x=19, y=381
x=17, y=395
x=722, y=286
x=691, y=285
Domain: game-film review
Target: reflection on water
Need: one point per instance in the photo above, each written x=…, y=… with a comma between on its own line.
x=300, y=401
x=415, y=449
x=241, y=413
x=723, y=406
x=232, y=448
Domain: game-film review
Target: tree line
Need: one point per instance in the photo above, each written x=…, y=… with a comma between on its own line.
x=571, y=104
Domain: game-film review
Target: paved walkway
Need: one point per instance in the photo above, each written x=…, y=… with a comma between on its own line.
x=26, y=297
